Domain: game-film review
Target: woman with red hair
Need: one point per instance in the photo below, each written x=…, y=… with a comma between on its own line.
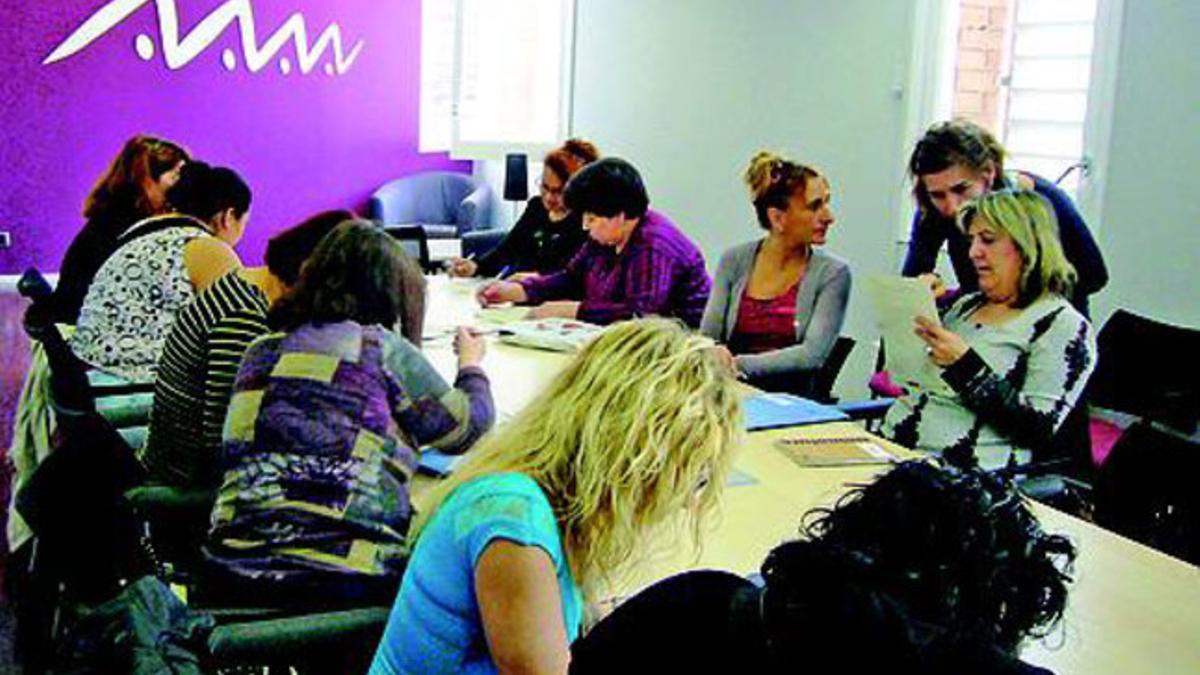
x=547, y=235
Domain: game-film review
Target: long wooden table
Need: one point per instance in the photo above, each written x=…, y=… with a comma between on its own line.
x=1131, y=609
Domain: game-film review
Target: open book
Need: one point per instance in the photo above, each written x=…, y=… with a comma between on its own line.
x=559, y=335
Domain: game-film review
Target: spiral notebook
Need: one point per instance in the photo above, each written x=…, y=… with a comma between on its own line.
x=848, y=451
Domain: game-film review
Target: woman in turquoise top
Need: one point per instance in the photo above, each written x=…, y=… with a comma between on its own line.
x=565, y=498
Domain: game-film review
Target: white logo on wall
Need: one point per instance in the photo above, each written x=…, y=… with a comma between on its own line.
x=178, y=51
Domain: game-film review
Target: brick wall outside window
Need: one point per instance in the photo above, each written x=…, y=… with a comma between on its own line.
x=982, y=40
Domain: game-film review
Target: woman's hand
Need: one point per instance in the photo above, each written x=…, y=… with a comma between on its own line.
x=726, y=359
x=462, y=267
x=521, y=276
x=944, y=347
x=935, y=284
x=498, y=292
x=564, y=309
x=469, y=347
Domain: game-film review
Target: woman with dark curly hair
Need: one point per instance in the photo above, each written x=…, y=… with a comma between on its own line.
x=928, y=569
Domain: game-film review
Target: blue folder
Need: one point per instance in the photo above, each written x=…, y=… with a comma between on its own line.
x=437, y=463
x=773, y=411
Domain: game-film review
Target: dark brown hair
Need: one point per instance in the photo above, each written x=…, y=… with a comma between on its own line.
x=957, y=142
x=357, y=273
x=773, y=180
x=122, y=188
x=287, y=250
x=570, y=157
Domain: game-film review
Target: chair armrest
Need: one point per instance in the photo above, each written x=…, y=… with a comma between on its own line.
x=298, y=635
x=473, y=211
x=867, y=409
x=480, y=242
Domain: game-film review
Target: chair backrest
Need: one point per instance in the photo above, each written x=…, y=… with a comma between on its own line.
x=70, y=393
x=823, y=381
x=1149, y=369
x=432, y=198
x=415, y=241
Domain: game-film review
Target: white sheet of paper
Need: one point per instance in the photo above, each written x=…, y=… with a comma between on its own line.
x=897, y=302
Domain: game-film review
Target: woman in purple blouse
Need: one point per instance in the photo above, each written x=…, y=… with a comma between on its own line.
x=636, y=263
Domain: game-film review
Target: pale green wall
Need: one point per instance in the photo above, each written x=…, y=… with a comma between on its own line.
x=688, y=90
x=1149, y=227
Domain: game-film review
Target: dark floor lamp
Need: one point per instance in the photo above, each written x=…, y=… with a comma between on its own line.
x=516, y=180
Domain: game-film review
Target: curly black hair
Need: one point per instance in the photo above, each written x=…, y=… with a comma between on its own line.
x=927, y=559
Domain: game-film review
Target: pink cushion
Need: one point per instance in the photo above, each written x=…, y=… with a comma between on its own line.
x=1104, y=436
x=881, y=383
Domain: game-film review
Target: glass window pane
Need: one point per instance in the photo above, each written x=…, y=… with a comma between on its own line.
x=1067, y=73
x=512, y=72
x=1048, y=107
x=1042, y=11
x=1040, y=138
x=1054, y=40
x=437, y=74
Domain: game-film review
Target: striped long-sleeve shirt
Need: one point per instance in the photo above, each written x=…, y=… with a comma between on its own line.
x=195, y=380
x=658, y=272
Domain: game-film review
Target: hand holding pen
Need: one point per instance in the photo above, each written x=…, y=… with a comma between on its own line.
x=462, y=267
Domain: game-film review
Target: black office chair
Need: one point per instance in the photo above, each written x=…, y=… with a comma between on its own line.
x=415, y=241
x=1146, y=489
x=87, y=505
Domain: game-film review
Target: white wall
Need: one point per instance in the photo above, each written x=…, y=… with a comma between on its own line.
x=687, y=91
x=1149, y=222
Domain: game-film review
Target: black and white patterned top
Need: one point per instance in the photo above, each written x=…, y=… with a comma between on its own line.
x=1010, y=392
x=134, y=298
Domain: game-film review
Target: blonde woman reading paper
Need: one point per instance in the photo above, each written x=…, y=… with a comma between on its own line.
x=778, y=302
x=636, y=434
x=1016, y=354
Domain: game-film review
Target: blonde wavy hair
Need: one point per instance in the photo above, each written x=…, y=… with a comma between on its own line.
x=1028, y=219
x=638, y=430
x=772, y=180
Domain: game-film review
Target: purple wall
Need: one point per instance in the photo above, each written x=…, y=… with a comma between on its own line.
x=304, y=142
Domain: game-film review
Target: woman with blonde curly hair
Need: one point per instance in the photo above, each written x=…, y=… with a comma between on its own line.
x=778, y=302
x=1015, y=356
x=634, y=436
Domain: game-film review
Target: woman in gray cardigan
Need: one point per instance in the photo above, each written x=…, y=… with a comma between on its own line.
x=778, y=303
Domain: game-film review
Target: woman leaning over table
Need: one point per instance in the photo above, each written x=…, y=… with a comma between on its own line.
x=321, y=438
x=547, y=235
x=159, y=266
x=1015, y=356
x=778, y=303
x=637, y=263
x=957, y=161
x=631, y=442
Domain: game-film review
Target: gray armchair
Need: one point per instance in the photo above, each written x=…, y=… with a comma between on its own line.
x=446, y=205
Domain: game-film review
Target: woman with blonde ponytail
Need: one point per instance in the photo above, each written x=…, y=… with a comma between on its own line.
x=633, y=439
x=778, y=302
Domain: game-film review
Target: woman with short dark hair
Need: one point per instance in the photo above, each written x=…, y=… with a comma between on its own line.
x=325, y=423
x=637, y=263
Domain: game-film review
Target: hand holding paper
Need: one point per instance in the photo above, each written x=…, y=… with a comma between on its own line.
x=898, y=302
